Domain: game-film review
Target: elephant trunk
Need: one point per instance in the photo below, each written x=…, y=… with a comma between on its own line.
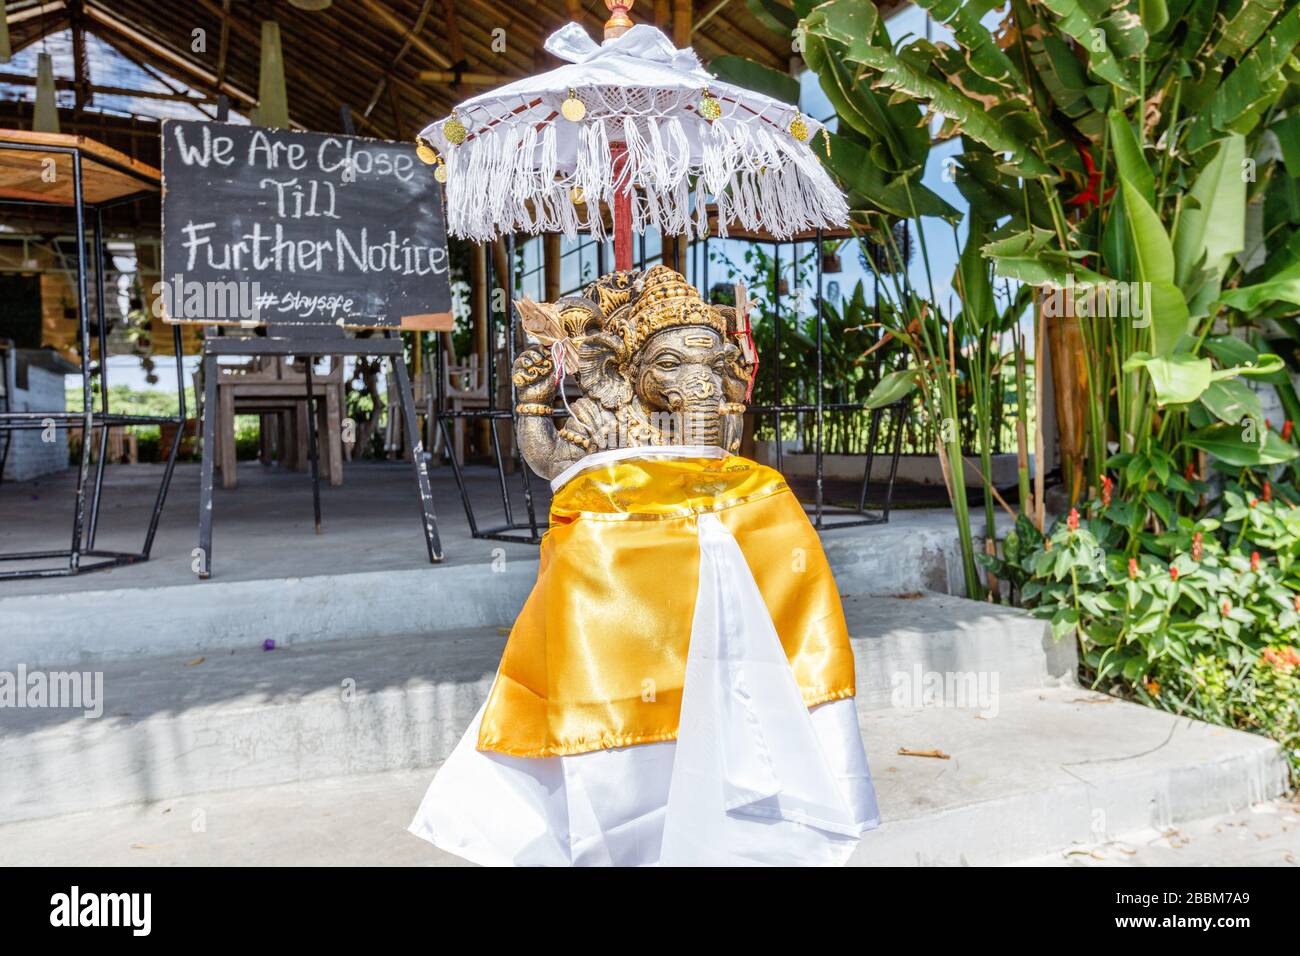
x=701, y=423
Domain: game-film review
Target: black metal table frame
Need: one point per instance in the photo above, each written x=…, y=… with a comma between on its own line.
x=511, y=530
x=84, y=527
x=819, y=511
x=309, y=349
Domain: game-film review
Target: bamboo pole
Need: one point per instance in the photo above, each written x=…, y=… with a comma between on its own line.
x=551, y=265
x=1040, y=458
x=480, y=298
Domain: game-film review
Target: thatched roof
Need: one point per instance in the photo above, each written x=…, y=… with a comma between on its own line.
x=392, y=63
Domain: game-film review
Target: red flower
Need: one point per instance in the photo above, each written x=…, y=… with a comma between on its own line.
x=1173, y=573
x=1286, y=430
x=1153, y=687
x=1227, y=607
x=1268, y=490
x=1132, y=567
x=1253, y=502
x=1089, y=196
x=1198, y=546
x=1254, y=560
x=1107, y=486
x=1190, y=471
x=1072, y=522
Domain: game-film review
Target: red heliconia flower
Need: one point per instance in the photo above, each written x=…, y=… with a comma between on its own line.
x=1132, y=567
x=1287, y=428
x=1254, y=560
x=1198, y=546
x=1190, y=471
x=1072, y=522
x=1173, y=573
x=1268, y=490
x=1107, y=486
x=1089, y=196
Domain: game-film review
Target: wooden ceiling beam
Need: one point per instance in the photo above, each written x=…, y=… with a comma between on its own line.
x=385, y=81
x=223, y=43
x=382, y=13
x=712, y=12
x=22, y=79
x=161, y=51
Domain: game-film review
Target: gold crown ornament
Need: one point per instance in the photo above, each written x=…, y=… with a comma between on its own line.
x=663, y=299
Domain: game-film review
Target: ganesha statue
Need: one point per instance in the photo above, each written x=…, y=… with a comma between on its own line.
x=657, y=365
x=678, y=687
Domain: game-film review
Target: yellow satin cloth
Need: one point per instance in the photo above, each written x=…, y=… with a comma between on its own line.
x=597, y=657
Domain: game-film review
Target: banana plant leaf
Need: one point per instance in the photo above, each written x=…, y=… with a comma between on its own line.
x=1212, y=226
x=1166, y=309
x=1084, y=21
x=852, y=23
x=755, y=76
x=1228, y=444
x=865, y=182
x=978, y=46
x=1246, y=26
x=1231, y=400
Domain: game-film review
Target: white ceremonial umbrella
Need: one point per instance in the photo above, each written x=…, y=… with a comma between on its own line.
x=638, y=125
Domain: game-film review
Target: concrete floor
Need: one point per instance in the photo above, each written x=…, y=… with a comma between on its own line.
x=261, y=529
x=1049, y=756
x=1265, y=834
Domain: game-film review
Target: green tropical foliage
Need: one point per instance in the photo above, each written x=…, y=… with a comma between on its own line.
x=1134, y=167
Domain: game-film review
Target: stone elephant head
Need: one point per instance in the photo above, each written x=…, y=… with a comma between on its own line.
x=669, y=357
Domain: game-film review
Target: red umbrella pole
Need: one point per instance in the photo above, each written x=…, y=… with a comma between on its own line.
x=622, y=209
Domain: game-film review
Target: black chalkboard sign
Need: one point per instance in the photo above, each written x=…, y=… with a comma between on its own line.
x=276, y=227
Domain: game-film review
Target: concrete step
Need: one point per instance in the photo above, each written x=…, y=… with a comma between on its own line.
x=1054, y=769
x=484, y=584
x=1263, y=834
x=178, y=725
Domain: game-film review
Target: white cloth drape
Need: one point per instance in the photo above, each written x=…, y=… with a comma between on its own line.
x=754, y=777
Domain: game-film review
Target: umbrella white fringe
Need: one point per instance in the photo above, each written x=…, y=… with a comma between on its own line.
x=508, y=178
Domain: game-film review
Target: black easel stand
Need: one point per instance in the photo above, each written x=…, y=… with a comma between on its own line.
x=308, y=343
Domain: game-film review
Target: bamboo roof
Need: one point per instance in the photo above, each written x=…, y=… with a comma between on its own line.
x=394, y=64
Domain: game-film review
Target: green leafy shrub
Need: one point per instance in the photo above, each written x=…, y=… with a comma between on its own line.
x=1199, y=615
